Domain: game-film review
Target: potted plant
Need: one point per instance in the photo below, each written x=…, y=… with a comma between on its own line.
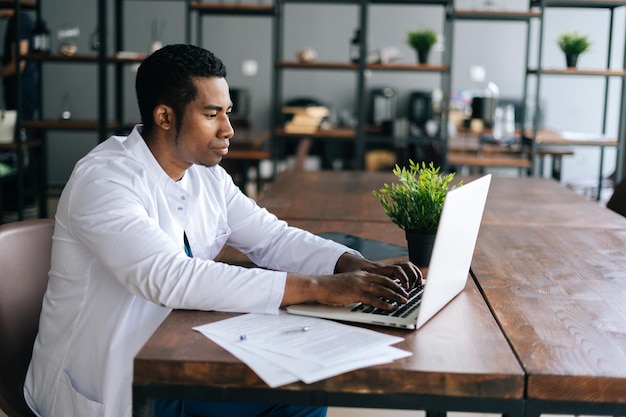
x=573, y=44
x=422, y=41
x=415, y=204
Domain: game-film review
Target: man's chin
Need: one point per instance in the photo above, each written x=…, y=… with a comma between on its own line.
x=210, y=165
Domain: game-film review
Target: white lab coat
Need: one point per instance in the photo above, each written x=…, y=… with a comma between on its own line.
x=118, y=268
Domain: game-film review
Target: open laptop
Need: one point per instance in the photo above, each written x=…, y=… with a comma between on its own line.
x=447, y=272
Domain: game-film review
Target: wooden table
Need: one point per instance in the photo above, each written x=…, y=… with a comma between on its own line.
x=551, y=265
x=327, y=195
x=558, y=293
x=461, y=360
x=542, y=331
x=347, y=196
x=544, y=202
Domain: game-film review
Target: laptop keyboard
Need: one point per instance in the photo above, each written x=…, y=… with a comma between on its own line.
x=402, y=310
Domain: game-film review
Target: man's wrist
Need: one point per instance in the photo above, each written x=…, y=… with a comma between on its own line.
x=348, y=262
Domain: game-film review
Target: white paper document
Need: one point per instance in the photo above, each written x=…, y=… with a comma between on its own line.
x=286, y=348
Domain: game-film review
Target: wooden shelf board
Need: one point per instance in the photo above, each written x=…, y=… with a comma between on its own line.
x=580, y=3
x=552, y=137
x=65, y=124
x=474, y=14
x=413, y=2
x=10, y=4
x=31, y=143
x=317, y=65
x=234, y=9
x=339, y=133
x=61, y=58
x=408, y=67
x=578, y=71
x=85, y=57
x=493, y=160
x=353, y=66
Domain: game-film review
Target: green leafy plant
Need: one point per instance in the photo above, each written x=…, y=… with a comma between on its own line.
x=572, y=43
x=415, y=203
x=422, y=40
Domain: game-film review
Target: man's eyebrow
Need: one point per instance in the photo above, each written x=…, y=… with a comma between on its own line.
x=216, y=107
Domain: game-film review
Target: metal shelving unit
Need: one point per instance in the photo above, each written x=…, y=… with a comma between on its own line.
x=361, y=134
x=607, y=73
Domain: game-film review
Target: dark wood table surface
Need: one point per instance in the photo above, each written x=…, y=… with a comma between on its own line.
x=552, y=266
x=541, y=323
x=347, y=196
x=544, y=202
x=327, y=195
x=559, y=294
x=461, y=360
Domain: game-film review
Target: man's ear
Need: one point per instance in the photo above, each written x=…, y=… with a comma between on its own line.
x=163, y=116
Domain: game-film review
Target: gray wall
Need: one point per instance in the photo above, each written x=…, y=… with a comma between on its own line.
x=570, y=103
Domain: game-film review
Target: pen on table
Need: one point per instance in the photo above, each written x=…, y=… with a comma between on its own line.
x=294, y=330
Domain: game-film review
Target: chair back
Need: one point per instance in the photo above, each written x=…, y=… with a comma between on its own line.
x=25, y=249
x=617, y=202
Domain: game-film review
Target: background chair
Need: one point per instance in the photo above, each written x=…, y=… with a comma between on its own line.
x=25, y=248
x=617, y=202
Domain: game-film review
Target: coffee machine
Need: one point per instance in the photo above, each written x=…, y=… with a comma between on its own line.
x=420, y=108
x=382, y=106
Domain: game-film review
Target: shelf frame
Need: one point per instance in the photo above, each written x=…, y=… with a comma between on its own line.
x=359, y=134
x=605, y=73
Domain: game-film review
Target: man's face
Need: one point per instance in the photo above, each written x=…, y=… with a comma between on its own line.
x=205, y=133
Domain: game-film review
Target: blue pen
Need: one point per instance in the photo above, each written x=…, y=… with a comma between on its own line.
x=244, y=337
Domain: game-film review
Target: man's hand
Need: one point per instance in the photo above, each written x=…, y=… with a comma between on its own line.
x=344, y=288
x=356, y=280
x=405, y=272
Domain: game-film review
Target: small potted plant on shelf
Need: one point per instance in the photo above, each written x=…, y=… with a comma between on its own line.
x=573, y=44
x=415, y=204
x=422, y=41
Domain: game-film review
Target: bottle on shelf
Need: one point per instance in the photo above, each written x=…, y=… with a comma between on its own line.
x=355, y=46
x=498, y=131
x=509, y=121
x=41, y=37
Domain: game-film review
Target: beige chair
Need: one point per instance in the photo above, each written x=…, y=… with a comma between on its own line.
x=25, y=248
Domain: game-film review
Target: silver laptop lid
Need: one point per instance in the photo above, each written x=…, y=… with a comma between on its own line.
x=454, y=246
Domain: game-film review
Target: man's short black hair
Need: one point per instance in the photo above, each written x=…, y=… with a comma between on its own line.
x=166, y=77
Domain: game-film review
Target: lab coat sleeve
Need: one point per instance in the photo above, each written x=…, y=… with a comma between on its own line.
x=271, y=243
x=114, y=217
